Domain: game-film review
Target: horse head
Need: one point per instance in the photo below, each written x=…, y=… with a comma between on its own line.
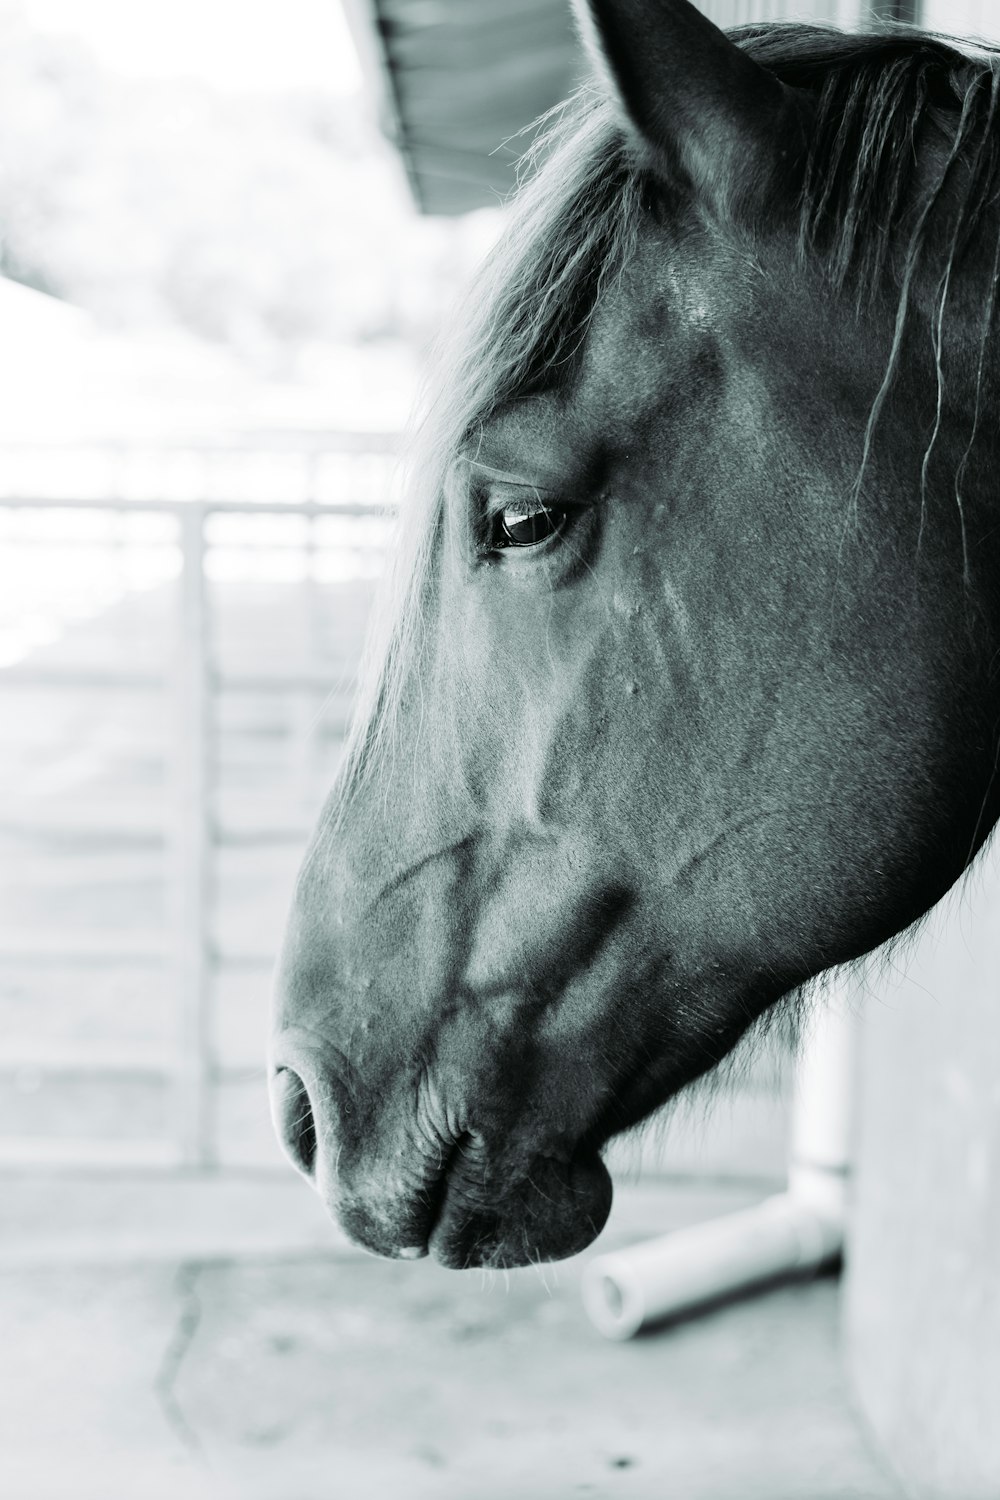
x=686, y=691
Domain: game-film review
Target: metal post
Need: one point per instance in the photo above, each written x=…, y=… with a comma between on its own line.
x=192, y=841
x=907, y=11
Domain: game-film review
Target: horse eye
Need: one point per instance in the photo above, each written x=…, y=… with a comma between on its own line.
x=525, y=525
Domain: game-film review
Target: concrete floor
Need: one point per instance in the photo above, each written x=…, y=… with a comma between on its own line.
x=295, y=1371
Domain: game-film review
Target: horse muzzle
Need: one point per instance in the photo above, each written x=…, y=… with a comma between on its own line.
x=470, y=1211
x=412, y=1191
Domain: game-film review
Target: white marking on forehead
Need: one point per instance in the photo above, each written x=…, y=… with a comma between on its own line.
x=678, y=608
x=626, y=603
x=690, y=301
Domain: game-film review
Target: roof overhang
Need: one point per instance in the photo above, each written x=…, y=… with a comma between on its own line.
x=458, y=83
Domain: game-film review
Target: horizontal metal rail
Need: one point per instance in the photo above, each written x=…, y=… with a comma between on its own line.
x=55, y=675
x=172, y=506
x=301, y=442
x=91, y=1153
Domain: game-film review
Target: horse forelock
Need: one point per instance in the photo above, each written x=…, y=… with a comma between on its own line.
x=575, y=223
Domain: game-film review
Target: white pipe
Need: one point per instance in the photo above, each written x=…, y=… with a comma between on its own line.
x=796, y=1231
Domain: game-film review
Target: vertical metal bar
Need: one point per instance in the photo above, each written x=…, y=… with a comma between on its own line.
x=896, y=10
x=192, y=830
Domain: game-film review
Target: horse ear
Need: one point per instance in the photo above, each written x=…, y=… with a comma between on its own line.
x=701, y=108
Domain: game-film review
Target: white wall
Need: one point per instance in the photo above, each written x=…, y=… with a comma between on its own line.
x=846, y=13
x=923, y=1293
x=973, y=18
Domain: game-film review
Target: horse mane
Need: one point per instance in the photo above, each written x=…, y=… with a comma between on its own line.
x=861, y=215
x=876, y=98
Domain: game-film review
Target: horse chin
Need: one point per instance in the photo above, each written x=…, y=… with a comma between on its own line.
x=553, y=1212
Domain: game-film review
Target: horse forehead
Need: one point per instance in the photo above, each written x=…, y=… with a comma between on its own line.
x=671, y=300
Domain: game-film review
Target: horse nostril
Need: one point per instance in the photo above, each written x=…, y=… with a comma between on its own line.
x=295, y=1120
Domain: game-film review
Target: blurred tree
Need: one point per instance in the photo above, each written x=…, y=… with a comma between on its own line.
x=267, y=222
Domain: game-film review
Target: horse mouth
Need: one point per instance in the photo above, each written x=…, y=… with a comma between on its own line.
x=468, y=1215
x=478, y=1217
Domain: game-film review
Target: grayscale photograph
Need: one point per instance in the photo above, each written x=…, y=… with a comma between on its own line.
x=499, y=749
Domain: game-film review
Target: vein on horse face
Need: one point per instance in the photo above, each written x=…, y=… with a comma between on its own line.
x=404, y=877
x=692, y=862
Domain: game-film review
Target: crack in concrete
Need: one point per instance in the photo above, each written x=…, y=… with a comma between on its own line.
x=185, y=1328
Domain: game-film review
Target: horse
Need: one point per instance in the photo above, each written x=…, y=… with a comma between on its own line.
x=686, y=687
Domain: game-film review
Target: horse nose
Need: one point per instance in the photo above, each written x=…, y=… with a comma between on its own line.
x=294, y=1119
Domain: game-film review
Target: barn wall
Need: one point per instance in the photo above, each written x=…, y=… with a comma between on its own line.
x=922, y=1313
x=972, y=18
x=923, y=1285
x=844, y=13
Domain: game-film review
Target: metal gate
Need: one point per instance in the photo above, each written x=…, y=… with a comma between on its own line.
x=160, y=754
